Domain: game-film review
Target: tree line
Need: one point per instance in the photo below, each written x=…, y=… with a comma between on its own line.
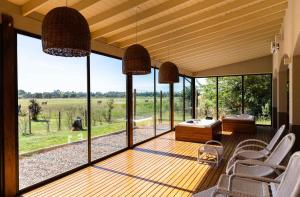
x=73, y=94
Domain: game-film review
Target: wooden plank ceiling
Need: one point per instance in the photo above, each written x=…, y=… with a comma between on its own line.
x=194, y=34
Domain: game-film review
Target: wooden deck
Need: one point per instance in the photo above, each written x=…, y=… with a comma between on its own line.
x=160, y=167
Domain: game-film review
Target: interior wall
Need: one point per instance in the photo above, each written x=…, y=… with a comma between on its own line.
x=260, y=65
x=289, y=47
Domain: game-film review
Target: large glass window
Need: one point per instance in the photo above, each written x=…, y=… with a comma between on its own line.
x=108, y=106
x=52, y=103
x=163, y=123
x=258, y=95
x=143, y=107
x=230, y=95
x=206, y=98
x=188, y=98
x=178, y=101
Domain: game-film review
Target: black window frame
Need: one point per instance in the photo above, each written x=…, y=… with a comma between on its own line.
x=243, y=91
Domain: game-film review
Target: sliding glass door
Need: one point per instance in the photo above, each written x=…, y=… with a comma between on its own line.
x=143, y=107
x=108, y=106
x=258, y=97
x=178, y=101
x=230, y=95
x=52, y=113
x=188, y=99
x=206, y=98
x=163, y=122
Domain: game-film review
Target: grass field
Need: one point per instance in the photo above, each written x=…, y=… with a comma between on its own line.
x=45, y=132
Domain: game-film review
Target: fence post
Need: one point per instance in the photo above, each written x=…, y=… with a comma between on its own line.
x=134, y=107
x=29, y=123
x=85, y=118
x=59, y=120
x=160, y=108
x=48, y=125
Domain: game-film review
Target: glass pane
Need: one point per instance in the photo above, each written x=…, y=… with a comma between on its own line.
x=162, y=106
x=206, y=98
x=188, y=98
x=52, y=113
x=230, y=95
x=108, y=106
x=258, y=97
x=143, y=107
x=178, y=101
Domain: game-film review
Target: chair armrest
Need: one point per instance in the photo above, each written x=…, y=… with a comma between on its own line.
x=251, y=141
x=236, y=154
x=227, y=193
x=262, y=179
x=257, y=162
x=213, y=141
x=246, y=147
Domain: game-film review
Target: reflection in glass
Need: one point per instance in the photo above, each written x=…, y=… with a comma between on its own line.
x=188, y=98
x=143, y=107
x=162, y=107
x=178, y=101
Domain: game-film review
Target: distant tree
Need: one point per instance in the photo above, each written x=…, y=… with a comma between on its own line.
x=34, y=109
x=110, y=105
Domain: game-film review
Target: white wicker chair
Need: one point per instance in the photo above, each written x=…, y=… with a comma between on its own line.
x=253, y=167
x=236, y=185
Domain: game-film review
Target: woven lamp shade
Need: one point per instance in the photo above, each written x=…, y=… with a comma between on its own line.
x=168, y=73
x=136, y=61
x=65, y=32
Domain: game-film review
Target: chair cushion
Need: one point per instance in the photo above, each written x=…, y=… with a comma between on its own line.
x=244, y=187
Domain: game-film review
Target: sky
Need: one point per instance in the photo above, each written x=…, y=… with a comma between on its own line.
x=40, y=72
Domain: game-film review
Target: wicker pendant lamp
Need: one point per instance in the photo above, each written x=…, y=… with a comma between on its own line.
x=136, y=60
x=168, y=73
x=65, y=32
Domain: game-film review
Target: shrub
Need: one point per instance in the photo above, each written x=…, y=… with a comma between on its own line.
x=34, y=109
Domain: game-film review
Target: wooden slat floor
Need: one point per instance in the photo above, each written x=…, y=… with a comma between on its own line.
x=160, y=167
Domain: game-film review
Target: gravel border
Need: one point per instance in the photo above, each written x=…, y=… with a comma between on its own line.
x=42, y=165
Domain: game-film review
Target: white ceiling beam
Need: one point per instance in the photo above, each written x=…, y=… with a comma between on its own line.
x=232, y=18
x=211, y=46
x=223, y=47
x=216, y=31
x=84, y=4
x=252, y=53
x=140, y=16
x=119, y=9
x=195, y=23
x=232, y=56
x=192, y=9
x=216, y=56
x=217, y=40
x=260, y=42
x=181, y=24
x=32, y=5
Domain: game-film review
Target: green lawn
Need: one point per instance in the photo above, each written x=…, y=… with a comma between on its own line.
x=40, y=138
x=43, y=136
